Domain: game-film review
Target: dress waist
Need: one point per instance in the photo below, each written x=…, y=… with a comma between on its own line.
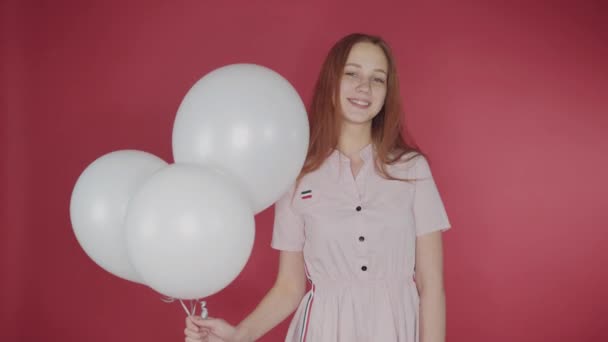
x=329, y=284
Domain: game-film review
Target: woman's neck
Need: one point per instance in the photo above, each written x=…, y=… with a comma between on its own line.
x=353, y=138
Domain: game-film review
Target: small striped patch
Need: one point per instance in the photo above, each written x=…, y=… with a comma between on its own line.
x=306, y=194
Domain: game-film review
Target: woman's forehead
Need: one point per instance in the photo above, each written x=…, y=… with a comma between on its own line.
x=367, y=55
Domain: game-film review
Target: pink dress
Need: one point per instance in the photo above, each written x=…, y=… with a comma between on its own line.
x=358, y=238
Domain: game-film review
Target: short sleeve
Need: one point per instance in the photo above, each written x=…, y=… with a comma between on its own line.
x=288, y=230
x=429, y=211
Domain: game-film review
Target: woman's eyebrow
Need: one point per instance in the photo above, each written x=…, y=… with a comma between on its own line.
x=359, y=66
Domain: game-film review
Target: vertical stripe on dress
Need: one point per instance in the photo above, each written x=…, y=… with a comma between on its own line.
x=307, y=312
x=308, y=309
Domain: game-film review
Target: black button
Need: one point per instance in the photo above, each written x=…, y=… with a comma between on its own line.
x=364, y=268
x=361, y=238
x=358, y=208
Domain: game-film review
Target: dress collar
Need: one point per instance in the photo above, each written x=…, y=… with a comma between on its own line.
x=366, y=154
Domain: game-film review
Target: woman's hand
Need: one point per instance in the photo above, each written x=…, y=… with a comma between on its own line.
x=193, y=332
x=209, y=330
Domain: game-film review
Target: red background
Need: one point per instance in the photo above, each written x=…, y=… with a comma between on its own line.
x=510, y=102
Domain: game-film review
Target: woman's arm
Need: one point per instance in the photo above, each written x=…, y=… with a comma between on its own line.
x=429, y=281
x=282, y=299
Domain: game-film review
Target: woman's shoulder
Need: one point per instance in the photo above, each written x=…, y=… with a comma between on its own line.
x=405, y=161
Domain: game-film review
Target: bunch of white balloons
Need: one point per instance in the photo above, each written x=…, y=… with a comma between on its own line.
x=186, y=229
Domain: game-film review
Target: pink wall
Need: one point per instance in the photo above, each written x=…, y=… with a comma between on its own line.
x=510, y=102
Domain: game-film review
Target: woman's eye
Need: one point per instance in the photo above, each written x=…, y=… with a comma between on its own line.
x=379, y=80
x=350, y=73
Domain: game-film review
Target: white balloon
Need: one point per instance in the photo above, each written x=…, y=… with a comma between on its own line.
x=248, y=121
x=99, y=203
x=189, y=231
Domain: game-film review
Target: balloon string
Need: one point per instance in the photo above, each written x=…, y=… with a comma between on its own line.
x=193, y=304
x=185, y=308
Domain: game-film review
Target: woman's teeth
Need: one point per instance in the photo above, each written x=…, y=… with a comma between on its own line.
x=360, y=103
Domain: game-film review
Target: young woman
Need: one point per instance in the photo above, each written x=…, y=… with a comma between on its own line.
x=362, y=223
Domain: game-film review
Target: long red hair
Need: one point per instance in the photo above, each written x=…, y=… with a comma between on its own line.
x=389, y=135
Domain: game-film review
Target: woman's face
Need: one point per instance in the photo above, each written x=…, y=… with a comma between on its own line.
x=364, y=83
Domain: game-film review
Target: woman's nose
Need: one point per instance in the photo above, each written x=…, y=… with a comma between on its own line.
x=364, y=86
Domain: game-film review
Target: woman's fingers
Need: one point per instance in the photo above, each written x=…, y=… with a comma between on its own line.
x=209, y=323
x=193, y=332
x=194, y=321
x=196, y=334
